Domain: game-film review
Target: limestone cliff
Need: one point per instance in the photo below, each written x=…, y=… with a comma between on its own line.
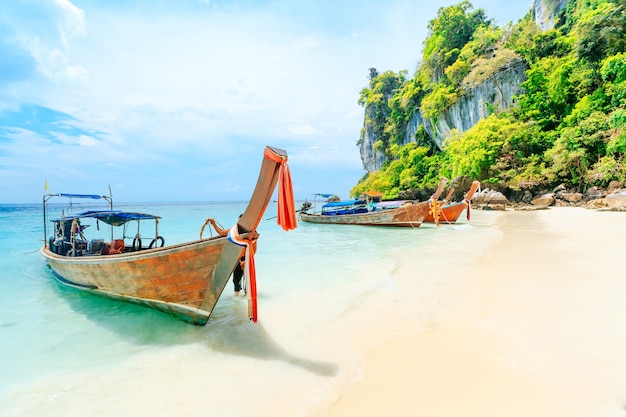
x=495, y=92
x=372, y=159
x=546, y=11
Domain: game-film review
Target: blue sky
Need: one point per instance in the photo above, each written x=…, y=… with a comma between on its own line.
x=175, y=100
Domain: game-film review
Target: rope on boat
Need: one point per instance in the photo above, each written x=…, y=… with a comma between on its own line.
x=249, y=270
x=445, y=218
x=435, y=210
x=408, y=215
x=75, y=229
x=218, y=227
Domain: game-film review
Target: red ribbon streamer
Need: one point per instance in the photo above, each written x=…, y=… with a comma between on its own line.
x=286, y=204
x=250, y=273
x=249, y=270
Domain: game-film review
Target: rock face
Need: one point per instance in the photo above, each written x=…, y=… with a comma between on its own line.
x=597, y=204
x=496, y=93
x=546, y=11
x=372, y=159
x=475, y=104
x=571, y=197
x=543, y=200
x=616, y=200
x=490, y=200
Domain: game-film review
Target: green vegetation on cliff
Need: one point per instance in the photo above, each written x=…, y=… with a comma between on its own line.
x=568, y=124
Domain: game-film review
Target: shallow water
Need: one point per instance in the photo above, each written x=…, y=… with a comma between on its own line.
x=327, y=293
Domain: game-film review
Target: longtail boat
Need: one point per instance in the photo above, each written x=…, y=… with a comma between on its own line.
x=358, y=212
x=449, y=213
x=184, y=279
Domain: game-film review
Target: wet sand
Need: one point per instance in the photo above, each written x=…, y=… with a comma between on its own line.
x=536, y=328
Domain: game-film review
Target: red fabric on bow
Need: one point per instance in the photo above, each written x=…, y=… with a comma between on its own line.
x=286, y=204
x=249, y=270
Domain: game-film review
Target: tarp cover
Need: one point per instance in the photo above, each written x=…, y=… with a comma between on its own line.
x=343, y=203
x=391, y=204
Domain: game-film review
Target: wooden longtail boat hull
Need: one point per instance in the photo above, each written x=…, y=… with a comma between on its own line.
x=407, y=215
x=450, y=213
x=184, y=280
x=410, y=215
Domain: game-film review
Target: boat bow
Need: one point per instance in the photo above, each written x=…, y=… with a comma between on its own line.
x=274, y=169
x=184, y=279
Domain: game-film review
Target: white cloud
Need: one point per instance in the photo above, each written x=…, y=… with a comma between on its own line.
x=302, y=130
x=187, y=92
x=72, y=19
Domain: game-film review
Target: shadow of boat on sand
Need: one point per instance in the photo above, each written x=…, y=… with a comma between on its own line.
x=228, y=331
x=236, y=335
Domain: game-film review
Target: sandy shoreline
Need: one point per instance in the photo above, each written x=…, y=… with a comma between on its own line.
x=537, y=328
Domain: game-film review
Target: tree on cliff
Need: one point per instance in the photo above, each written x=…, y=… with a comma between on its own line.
x=567, y=126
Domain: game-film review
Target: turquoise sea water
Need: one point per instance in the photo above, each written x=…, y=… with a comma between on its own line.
x=327, y=294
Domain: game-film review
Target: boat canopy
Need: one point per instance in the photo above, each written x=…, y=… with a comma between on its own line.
x=343, y=203
x=112, y=217
x=47, y=197
x=92, y=196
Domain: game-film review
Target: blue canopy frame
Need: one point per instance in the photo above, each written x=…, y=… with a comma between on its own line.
x=112, y=217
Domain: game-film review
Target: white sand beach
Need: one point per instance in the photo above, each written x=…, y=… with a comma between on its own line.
x=535, y=328
x=518, y=313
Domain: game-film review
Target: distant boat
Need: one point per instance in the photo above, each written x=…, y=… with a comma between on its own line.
x=358, y=212
x=185, y=279
x=449, y=213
